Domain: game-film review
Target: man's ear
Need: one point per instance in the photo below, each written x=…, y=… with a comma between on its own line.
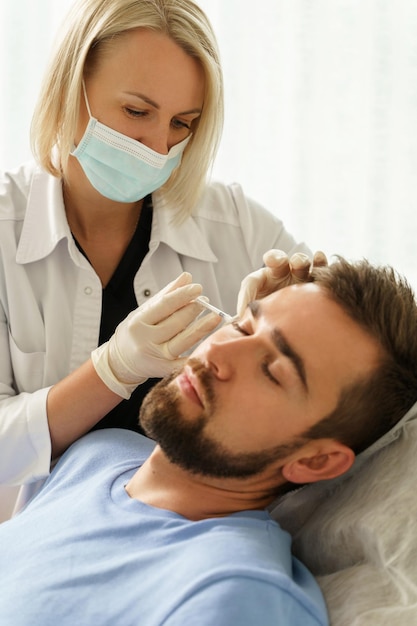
x=320, y=459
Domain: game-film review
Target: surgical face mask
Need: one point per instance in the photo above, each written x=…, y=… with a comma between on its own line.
x=121, y=168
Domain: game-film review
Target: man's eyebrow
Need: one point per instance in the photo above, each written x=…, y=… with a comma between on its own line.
x=283, y=346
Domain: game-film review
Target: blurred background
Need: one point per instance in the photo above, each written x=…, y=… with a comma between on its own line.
x=321, y=113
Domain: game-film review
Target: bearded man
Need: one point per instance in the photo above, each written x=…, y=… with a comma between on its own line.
x=173, y=529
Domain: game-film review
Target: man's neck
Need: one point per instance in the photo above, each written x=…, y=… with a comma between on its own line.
x=163, y=485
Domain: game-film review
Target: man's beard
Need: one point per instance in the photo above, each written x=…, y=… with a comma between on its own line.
x=186, y=443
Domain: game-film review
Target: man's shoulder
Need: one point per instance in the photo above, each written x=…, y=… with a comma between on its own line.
x=114, y=438
x=248, y=539
x=102, y=449
x=246, y=559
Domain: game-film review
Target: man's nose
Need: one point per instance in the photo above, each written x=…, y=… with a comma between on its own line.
x=227, y=357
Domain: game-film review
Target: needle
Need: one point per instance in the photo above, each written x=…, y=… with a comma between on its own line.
x=210, y=307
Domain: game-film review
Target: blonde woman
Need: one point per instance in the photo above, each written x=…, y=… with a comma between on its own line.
x=115, y=207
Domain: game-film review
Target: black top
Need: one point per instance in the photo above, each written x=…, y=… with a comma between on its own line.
x=118, y=301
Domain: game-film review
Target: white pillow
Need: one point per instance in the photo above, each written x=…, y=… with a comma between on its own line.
x=361, y=539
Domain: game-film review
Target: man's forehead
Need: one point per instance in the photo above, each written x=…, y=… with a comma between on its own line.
x=303, y=289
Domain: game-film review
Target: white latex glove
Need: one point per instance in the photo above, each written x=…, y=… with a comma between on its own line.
x=279, y=271
x=149, y=341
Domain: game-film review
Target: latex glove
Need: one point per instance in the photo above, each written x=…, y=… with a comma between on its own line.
x=279, y=271
x=149, y=341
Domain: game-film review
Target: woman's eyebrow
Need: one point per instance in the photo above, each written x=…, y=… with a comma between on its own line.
x=282, y=345
x=154, y=104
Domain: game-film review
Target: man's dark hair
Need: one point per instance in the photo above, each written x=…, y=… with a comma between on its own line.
x=383, y=304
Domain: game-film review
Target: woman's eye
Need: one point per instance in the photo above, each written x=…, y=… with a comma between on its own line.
x=179, y=125
x=134, y=112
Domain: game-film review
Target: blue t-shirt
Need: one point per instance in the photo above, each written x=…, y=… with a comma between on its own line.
x=84, y=552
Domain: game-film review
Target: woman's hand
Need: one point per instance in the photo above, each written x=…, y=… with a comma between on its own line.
x=279, y=271
x=149, y=342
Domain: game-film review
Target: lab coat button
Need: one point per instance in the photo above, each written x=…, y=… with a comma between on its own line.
x=147, y=293
x=88, y=291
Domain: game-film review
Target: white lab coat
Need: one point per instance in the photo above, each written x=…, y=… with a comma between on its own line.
x=50, y=297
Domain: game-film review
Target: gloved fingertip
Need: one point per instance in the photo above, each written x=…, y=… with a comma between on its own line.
x=194, y=290
x=299, y=260
x=185, y=278
x=320, y=259
x=180, y=281
x=275, y=257
x=243, y=299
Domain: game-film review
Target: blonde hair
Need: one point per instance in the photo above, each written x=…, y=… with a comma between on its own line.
x=90, y=28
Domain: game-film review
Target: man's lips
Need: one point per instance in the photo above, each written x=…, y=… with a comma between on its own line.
x=189, y=386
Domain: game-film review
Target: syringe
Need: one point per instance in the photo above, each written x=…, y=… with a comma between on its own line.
x=210, y=307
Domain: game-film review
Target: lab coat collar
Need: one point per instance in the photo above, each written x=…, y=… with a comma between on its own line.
x=184, y=238
x=45, y=222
